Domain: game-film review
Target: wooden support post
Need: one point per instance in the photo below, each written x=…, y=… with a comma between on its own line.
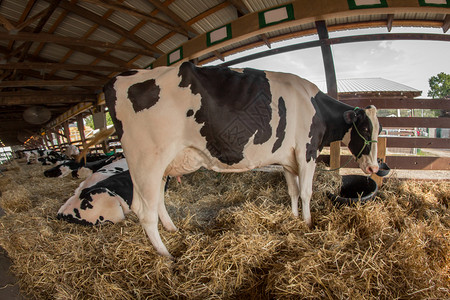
x=50, y=139
x=382, y=144
x=330, y=75
x=67, y=131
x=80, y=126
x=58, y=140
x=99, y=118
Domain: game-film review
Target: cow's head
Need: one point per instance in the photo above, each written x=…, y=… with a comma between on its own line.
x=363, y=136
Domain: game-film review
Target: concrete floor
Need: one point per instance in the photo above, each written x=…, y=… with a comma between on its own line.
x=9, y=289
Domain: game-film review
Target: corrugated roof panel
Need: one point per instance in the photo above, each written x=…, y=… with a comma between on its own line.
x=142, y=5
x=80, y=58
x=172, y=43
x=188, y=9
x=151, y=32
x=67, y=74
x=105, y=35
x=74, y=26
x=53, y=52
x=106, y=64
x=144, y=61
x=220, y=18
x=126, y=56
x=13, y=9
x=124, y=20
x=258, y=5
x=96, y=9
x=362, y=85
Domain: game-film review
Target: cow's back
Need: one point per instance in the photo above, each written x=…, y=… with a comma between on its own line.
x=224, y=119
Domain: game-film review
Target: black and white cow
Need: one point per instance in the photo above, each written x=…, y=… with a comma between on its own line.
x=105, y=196
x=78, y=169
x=49, y=157
x=174, y=120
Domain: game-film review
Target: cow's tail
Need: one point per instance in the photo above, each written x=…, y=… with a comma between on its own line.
x=96, y=139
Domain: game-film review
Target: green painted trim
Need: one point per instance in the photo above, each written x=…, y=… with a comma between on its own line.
x=208, y=35
x=423, y=3
x=289, y=10
x=352, y=5
x=150, y=66
x=181, y=56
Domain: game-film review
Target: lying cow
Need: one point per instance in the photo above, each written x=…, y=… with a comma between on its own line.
x=49, y=157
x=72, y=210
x=107, y=201
x=228, y=120
x=77, y=169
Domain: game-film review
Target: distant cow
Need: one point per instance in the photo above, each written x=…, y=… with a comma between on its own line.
x=77, y=169
x=76, y=208
x=71, y=151
x=174, y=120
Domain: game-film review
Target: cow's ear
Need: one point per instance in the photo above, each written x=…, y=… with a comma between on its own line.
x=350, y=116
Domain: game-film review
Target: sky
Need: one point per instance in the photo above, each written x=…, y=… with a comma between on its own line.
x=408, y=62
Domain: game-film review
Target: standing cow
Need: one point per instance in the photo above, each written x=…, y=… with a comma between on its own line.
x=174, y=120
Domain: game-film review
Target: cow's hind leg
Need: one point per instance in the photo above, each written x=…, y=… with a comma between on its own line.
x=146, y=206
x=293, y=190
x=162, y=211
x=306, y=174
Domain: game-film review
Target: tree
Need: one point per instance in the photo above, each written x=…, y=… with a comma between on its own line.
x=89, y=120
x=439, y=86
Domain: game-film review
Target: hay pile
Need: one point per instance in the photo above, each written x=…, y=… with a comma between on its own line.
x=237, y=239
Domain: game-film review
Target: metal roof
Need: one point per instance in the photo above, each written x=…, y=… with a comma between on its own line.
x=368, y=85
x=59, y=53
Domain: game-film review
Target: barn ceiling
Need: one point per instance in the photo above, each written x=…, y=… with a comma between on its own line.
x=58, y=53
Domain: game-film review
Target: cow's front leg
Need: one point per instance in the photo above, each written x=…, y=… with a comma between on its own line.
x=293, y=190
x=162, y=211
x=306, y=174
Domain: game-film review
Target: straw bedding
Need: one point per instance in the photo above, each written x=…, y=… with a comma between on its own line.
x=237, y=239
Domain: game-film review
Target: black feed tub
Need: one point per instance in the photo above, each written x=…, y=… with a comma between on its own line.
x=355, y=189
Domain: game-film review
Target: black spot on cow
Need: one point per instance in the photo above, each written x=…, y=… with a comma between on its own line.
x=116, y=185
x=110, y=100
x=72, y=219
x=281, y=128
x=234, y=107
x=143, y=95
x=101, y=218
x=128, y=73
x=189, y=113
x=77, y=213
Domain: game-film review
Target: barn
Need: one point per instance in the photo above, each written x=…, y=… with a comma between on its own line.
x=237, y=236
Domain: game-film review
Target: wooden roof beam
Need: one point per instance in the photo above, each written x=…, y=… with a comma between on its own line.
x=446, y=23
x=164, y=9
x=62, y=40
x=208, y=12
x=240, y=6
x=59, y=66
x=44, y=97
x=135, y=12
x=390, y=20
x=78, y=10
x=41, y=83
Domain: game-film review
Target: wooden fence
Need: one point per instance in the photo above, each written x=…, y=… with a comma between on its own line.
x=408, y=162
